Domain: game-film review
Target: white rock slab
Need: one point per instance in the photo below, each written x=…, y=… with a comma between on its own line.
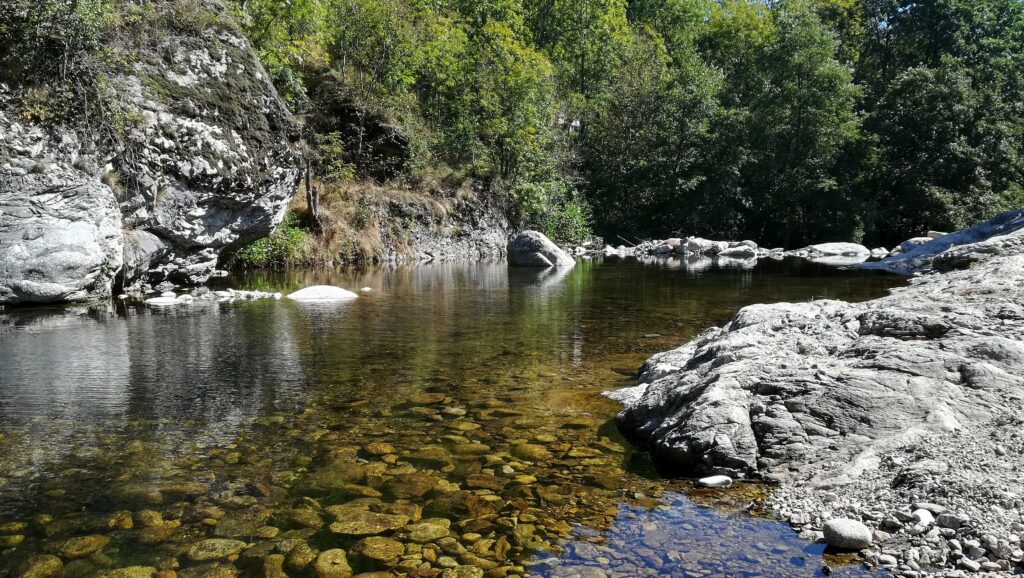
x=322, y=293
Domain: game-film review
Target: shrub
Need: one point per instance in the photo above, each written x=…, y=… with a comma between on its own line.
x=282, y=247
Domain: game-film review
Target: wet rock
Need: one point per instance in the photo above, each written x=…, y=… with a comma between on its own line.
x=129, y=572
x=298, y=518
x=352, y=522
x=215, y=549
x=428, y=530
x=273, y=566
x=379, y=549
x=216, y=570
x=463, y=572
x=379, y=448
x=531, y=452
x=412, y=485
x=847, y=534
x=42, y=566
x=333, y=477
x=82, y=546
x=11, y=540
x=332, y=564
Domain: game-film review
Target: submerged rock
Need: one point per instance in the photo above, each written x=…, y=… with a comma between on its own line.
x=533, y=249
x=332, y=564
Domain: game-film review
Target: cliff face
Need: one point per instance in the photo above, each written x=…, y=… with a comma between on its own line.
x=197, y=157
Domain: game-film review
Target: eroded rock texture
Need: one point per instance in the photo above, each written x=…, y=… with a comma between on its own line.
x=194, y=157
x=819, y=391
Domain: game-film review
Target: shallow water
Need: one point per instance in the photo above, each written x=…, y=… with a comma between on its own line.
x=468, y=393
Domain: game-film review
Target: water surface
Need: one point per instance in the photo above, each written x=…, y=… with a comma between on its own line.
x=466, y=395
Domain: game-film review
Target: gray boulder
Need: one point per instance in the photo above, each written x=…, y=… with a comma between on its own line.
x=818, y=391
x=533, y=249
x=847, y=534
x=998, y=236
x=204, y=163
x=60, y=237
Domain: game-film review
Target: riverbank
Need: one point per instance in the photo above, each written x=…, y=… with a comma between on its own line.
x=868, y=411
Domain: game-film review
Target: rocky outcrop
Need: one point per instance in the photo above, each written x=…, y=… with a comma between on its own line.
x=533, y=249
x=890, y=399
x=943, y=252
x=201, y=162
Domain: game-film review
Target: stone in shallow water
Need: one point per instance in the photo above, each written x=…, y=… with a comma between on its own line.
x=209, y=571
x=379, y=549
x=532, y=452
x=41, y=566
x=413, y=485
x=379, y=448
x=429, y=530
x=130, y=572
x=215, y=549
x=82, y=546
x=847, y=534
x=463, y=572
x=352, y=522
x=332, y=564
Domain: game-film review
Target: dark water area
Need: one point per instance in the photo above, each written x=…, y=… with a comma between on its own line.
x=450, y=419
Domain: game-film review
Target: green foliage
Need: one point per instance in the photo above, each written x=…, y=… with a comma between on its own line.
x=787, y=121
x=554, y=208
x=279, y=249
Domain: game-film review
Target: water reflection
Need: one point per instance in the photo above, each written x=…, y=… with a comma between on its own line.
x=484, y=379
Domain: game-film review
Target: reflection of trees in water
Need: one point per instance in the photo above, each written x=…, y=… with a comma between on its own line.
x=196, y=375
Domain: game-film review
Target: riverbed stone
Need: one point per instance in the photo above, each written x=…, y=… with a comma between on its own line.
x=379, y=549
x=531, y=452
x=82, y=546
x=332, y=563
x=353, y=522
x=129, y=572
x=428, y=530
x=215, y=549
x=847, y=534
x=411, y=485
x=42, y=566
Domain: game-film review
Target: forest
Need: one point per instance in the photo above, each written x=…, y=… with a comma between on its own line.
x=787, y=122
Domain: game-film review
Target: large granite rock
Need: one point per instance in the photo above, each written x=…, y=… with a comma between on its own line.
x=533, y=249
x=60, y=237
x=202, y=162
x=818, y=391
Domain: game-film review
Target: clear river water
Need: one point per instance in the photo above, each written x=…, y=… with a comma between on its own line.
x=449, y=423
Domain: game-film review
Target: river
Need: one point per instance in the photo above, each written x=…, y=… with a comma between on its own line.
x=454, y=412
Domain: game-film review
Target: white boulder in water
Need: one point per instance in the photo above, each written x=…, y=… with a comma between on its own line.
x=715, y=482
x=838, y=250
x=322, y=293
x=533, y=249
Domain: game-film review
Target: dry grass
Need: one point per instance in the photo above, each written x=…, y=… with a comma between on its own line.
x=358, y=223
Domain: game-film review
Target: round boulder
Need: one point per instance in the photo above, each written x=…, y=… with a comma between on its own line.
x=533, y=249
x=847, y=534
